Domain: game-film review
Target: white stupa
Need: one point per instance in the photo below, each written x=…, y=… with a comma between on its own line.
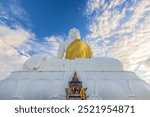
x=45, y=77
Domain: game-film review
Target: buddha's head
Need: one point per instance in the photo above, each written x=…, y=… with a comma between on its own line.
x=74, y=34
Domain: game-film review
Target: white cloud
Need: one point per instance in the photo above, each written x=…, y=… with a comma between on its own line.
x=14, y=40
x=13, y=37
x=18, y=11
x=121, y=29
x=54, y=42
x=93, y=5
x=13, y=13
x=105, y=20
x=16, y=44
x=11, y=41
x=49, y=45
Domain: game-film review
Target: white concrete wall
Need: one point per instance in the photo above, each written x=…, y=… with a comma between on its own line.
x=51, y=85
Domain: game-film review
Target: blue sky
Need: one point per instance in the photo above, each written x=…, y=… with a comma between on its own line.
x=55, y=16
x=50, y=17
x=113, y=28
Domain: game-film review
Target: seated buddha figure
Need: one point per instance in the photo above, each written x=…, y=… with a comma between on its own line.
x=74, y=47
